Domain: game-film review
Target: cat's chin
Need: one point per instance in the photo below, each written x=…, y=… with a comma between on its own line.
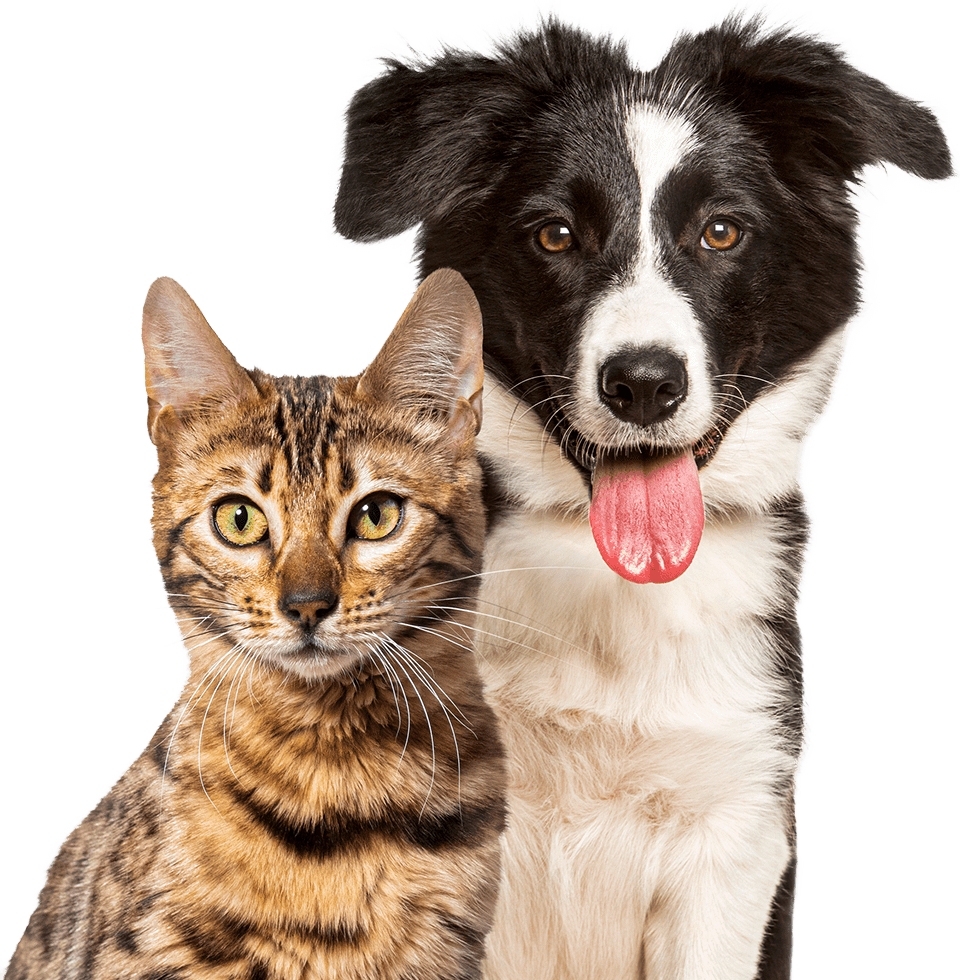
x=313, y=663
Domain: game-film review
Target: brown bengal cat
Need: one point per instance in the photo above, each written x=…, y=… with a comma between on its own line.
x=325, y=799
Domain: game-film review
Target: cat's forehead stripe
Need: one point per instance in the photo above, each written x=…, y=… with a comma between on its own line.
x=265, y=477
x=302, y=425
x=280, y=424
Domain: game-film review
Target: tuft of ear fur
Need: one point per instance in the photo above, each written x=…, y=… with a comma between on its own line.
x=433, y=359
x=807, y=104
x=186, y=363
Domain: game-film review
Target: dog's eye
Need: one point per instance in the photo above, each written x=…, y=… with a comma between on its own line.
x=721, y=235
x=555, y=236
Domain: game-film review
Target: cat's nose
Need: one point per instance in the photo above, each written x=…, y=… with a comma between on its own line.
x=307, y=609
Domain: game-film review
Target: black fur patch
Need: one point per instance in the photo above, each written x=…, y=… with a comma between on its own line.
x=336, y=832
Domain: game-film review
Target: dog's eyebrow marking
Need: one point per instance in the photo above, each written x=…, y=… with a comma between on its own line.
x=658, y=141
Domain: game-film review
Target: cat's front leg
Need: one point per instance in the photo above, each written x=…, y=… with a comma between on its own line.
x=708, y=918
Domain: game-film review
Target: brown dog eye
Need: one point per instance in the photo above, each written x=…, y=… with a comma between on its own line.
x=721, y=235
x=555, y=236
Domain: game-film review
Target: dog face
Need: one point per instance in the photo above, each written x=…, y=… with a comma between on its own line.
x=653, y=252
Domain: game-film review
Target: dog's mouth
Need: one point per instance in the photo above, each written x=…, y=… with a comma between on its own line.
x=646, y=509
x=584, y=455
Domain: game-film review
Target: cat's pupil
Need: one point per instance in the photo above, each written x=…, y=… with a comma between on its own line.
x=240, y=517
x=373, y=512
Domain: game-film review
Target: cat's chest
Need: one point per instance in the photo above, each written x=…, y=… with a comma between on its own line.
x=566, y=635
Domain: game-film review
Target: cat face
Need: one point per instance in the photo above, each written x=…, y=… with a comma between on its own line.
x=306, y=522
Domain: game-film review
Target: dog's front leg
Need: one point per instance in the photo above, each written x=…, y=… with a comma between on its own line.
x=708, y=918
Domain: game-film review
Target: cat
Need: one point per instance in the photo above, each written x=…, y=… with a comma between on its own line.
x=325, y=800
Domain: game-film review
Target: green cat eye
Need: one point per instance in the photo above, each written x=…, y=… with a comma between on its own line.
x=376, y=516
x=239, y=522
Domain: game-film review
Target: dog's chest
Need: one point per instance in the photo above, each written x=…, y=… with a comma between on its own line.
x=636, y=702
x=566, y=637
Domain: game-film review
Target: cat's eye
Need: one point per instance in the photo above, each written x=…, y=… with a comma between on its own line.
x=721, y=235
x=376, y=516
x=555, y=236
x=239, y=522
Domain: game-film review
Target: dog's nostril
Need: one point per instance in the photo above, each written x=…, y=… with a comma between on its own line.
x=643, y=385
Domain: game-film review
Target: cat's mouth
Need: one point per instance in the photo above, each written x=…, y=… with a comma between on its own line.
x=316, y=660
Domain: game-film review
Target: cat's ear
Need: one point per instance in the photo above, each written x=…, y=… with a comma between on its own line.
x=433, y=360
x=185, y=360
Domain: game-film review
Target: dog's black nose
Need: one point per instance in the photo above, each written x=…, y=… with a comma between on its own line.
x=643, y=385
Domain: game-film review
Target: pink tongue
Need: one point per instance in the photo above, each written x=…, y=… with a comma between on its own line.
x=647, y=515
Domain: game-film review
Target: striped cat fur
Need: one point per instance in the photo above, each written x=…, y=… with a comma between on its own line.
x=325, y=799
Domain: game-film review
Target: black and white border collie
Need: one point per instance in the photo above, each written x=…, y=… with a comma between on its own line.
x=665, y=261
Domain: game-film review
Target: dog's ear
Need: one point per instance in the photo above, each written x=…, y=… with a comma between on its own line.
x=414, y=143
x=429, y=131
x=811, y=108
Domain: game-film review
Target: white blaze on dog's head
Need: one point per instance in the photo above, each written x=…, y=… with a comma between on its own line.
x=645, y=311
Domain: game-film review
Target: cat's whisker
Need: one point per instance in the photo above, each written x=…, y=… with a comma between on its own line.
x=525, y=623
x=525, y=626
x=258, y=664
x=436, y=690
x=188, y=705
x=384, y=660
x=245, y=662
x=236, y=654
x=389, y=673
x=199, y=604
x=512, y=642
x=442, y=636
x=426, y=715
x=201, y=601
x=183, y=637
x=496, y=571
x=215, y=631
x=423, y=671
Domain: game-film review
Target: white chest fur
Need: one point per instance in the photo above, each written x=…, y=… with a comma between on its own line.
x=645, y=754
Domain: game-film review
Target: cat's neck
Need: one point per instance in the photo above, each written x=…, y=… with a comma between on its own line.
x=307, y=746
x=257, y=693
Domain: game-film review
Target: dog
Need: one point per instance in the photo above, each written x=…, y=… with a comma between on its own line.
x=665, y=261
